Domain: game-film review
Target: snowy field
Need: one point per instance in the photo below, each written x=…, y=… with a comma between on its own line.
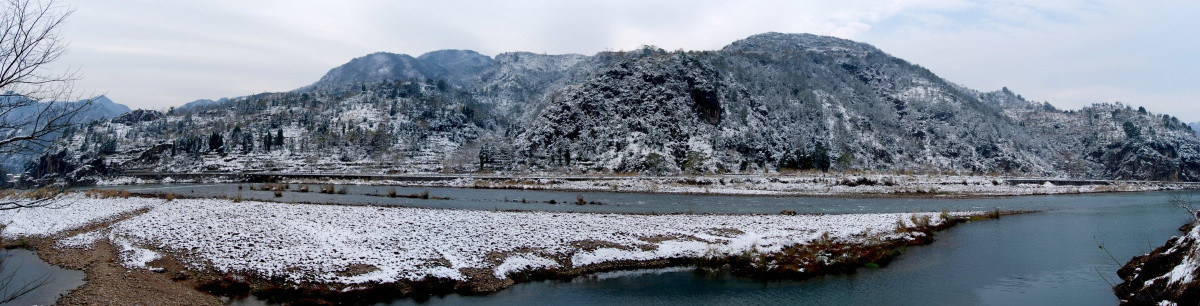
x=359, y=244
x=69, y=211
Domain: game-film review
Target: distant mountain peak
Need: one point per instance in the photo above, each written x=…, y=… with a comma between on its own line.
x=775, y=42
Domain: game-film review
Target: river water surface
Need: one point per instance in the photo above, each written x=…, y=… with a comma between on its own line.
x=20, y=268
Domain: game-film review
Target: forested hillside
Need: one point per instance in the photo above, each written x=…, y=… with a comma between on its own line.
x=771, y=102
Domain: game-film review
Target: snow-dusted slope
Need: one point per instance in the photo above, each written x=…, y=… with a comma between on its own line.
x=769, y=102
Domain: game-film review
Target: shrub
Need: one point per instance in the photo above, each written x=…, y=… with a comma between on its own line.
x=579, y=200
x=170, y=197
x=392, y=193
x=342, y=190
x=278, y=193
x=425, y=195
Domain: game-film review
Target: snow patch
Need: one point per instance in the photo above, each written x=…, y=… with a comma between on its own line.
x=523, y=262
x=80, y=241
x=134, y=257
x=68, y=211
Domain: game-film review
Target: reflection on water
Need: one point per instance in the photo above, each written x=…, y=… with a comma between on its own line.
x=25, y=268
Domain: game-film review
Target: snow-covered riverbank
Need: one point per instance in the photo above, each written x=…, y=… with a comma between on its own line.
x=819, y=184
x=1169, y=275
x=799, y=184
x=362, y=245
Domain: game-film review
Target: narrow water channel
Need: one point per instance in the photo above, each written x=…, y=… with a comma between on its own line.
x=22, y=268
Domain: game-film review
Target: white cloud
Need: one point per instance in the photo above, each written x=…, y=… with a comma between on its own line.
x=159, y=53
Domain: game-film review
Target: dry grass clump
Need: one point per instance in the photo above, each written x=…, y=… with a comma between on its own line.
x=921, y=221
x=901, y=226
x=107, y=193
x=36, y=194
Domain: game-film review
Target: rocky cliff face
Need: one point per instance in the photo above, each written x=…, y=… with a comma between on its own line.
x=769, y=102
x=1165, y=276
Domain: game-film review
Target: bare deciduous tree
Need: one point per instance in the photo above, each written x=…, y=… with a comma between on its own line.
x=29, y=116
x=29, y=91
x=31, y=113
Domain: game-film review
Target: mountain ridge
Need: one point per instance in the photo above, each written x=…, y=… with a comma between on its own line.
x=767, y=103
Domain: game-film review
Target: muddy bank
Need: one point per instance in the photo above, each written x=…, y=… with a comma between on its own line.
x=1165, y=276
x=109, y=283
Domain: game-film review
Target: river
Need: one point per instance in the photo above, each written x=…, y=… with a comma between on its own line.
x=21, y=268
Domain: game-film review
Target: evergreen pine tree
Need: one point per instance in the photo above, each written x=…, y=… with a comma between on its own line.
x=267, y=141
x=279, y=138
x=215, y=143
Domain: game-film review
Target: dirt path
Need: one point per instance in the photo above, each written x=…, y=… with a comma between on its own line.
x=109, y=283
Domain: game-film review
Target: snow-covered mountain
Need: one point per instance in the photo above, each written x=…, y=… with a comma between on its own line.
x=101, y=108
x=457, y=66
x=770, y=102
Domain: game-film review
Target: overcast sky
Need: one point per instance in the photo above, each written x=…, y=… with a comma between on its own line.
x=157, y=54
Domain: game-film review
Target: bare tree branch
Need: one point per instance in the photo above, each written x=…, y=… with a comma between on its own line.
x=10, y=204
x=10, y=289
x=31, y=113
